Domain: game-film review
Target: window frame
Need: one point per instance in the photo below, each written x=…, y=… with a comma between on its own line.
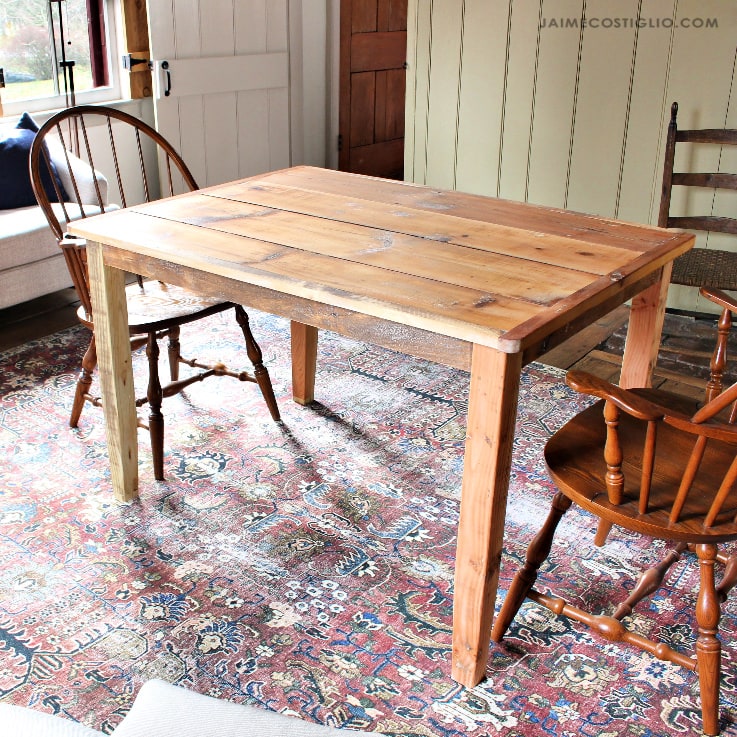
x=110, y=92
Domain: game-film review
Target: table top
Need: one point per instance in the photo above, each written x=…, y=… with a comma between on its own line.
x=495, y=272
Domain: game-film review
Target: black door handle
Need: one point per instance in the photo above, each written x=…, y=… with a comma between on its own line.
x=167, y=86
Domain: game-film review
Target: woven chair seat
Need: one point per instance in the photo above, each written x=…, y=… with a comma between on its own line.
x=706, y=267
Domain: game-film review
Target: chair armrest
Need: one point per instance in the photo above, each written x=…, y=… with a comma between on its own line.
x=720, y=298
x=627, y=401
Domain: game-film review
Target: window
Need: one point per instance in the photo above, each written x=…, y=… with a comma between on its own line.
x=50, y=49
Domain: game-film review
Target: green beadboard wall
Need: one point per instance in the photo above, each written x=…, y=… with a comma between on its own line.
x=521, y=100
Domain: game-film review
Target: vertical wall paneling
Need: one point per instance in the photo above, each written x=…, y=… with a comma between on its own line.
x=554, y=103
x=563, y=113
x=447, y=34
x=314, y=80
x=601, y=111
x=187, y=28
x=725, y=202
x=223, y=139
x=217, y=27
x=518, y=104
x=481, y=105
x=161, y=28
x=253, y=117
x=419, y=56
x=279, y=128
x=192, y=136
x=217, y=35
x=252, y=106
x=642, y=168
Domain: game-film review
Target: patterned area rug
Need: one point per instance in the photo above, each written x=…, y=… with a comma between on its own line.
x=307, y=568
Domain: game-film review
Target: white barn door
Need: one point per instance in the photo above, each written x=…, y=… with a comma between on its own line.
x=225, y=66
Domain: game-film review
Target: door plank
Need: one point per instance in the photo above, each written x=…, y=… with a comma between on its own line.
x=373, y=51
x=363, y=93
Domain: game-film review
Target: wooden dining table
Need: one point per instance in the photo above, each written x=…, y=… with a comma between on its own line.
x=478, y=283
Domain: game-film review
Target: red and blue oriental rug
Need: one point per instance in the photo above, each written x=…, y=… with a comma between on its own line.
x=308, y=567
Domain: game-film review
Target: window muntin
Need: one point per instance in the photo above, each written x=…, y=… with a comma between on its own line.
x=39, y=37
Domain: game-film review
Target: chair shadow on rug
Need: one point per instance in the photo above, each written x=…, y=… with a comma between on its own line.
x=155, y=310
x=659, y=465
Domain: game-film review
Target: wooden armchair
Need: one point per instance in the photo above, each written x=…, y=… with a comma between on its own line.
x=658, y=465
x=141, y=166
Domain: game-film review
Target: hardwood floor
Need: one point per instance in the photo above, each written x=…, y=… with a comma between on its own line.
x=37, y=318
x=683, y=362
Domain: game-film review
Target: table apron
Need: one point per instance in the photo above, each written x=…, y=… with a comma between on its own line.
x=396, y=336
x=382, y=332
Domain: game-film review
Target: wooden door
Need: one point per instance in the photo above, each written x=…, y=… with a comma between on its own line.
x=373, y=49
x=225, y=65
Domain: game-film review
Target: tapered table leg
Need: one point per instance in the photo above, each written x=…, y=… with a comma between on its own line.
x=116, y=375
x=643, y=333
x=304, y=362
x=492, y=411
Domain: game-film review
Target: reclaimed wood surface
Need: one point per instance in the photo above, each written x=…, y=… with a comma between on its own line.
x=498, y=273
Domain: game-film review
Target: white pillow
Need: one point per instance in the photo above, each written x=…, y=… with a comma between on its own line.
x=82, y=173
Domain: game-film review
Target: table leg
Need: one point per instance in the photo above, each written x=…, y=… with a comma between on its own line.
x=643, y=333
x=492, y=411
x=115, y=369
x=304, y=362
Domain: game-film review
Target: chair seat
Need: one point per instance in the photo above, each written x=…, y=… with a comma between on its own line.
x=158, y=306
x=575, y=458
x=706, y=267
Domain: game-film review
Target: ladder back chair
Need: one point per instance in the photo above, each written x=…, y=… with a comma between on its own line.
x=659, y=465
x=711, y=270
x=132, y=153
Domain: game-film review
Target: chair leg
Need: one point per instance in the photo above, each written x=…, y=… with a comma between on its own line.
x=537, y=552
x=708, y=647
x=155, y=417
x=89, y=361
x=256, y=358
x=649, y=581
x=174, y=352
x=602, y=532
x=729, y=578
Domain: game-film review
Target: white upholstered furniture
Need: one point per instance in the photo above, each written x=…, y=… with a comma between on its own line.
x=163, y=710
x=31, y=262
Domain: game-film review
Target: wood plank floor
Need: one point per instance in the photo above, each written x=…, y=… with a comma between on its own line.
x=683, y=362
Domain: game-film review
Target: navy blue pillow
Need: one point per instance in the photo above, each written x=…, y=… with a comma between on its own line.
x=15, y=179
